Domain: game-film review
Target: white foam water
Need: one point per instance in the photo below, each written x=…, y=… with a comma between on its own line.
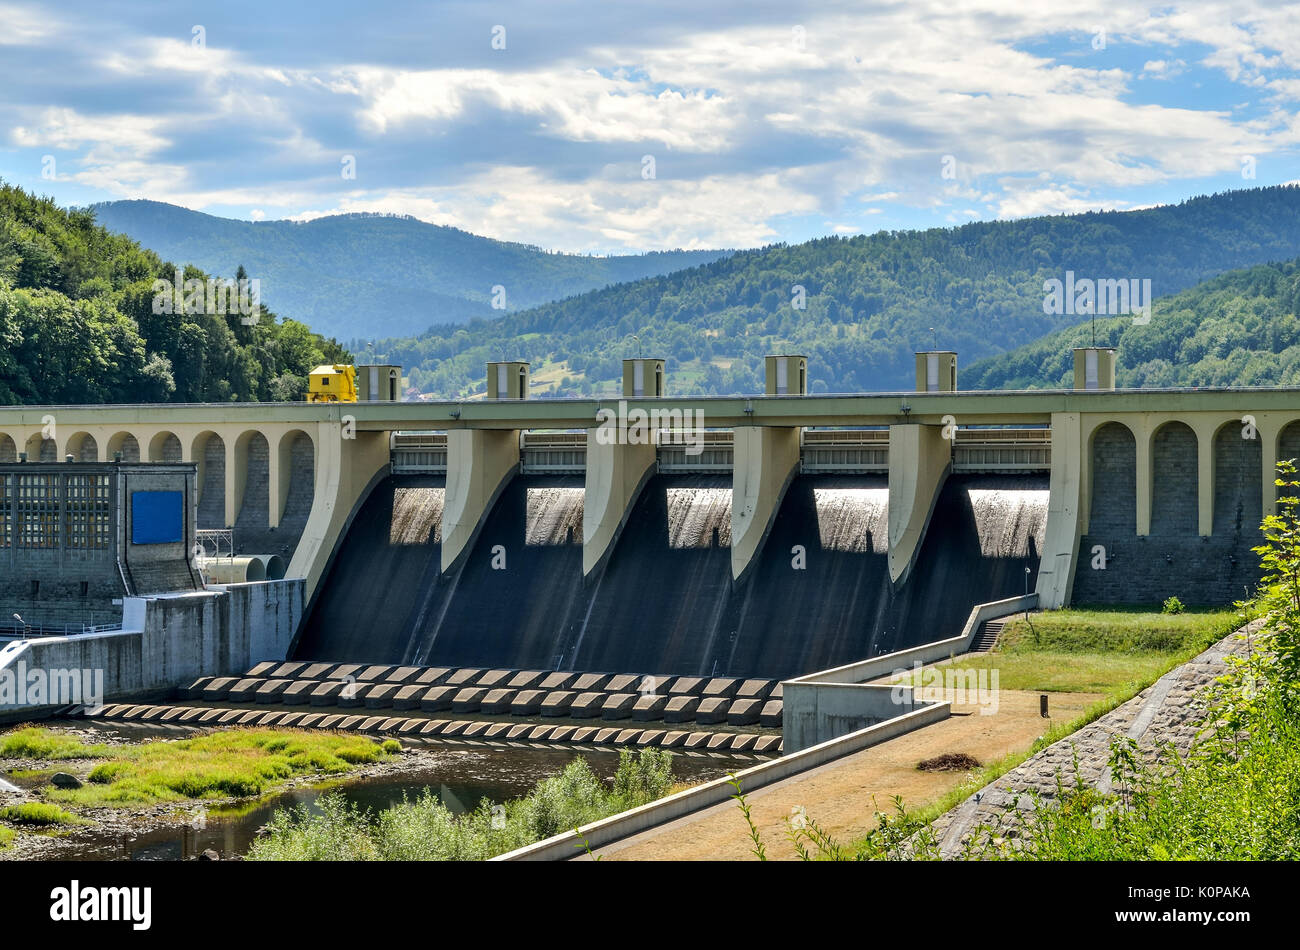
x=854, y=520
x=1008, y=519
x=554, y=516
x=699, y=517
x=417, y=516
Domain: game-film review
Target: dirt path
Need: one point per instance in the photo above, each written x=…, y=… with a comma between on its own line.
x=839, y=795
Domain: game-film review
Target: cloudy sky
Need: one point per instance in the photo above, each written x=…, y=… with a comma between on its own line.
x=616, y=126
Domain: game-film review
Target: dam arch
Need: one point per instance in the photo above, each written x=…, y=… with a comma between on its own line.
x=124, y=442
x=1288, y=446
x=293, y=479
x=82, y=447
x=1174, y=480
x=252, y=473
x=165, y=446
x=208, y=451
x=1112, y=479
x=39, y=448
x=1238, y=495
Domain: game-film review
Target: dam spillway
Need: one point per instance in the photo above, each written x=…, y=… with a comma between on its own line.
x=384, y=572
x=660, y=601
x=518, y=592
x=841, y=605
x=819, y=593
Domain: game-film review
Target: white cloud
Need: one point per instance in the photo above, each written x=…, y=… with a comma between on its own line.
x=63, y=128
x=1162, y=69
x=1032, y=201
x=522, y=204
x=575, y=104
x=20, y=26
x=747, y=126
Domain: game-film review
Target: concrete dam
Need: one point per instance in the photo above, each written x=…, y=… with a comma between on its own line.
x=500, y=557
x=819, y=594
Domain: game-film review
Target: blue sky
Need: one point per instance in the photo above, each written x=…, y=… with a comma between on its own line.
x=764, y=121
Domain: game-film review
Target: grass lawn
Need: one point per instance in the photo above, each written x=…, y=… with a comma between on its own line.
x=1114, y=652
x=229, y=763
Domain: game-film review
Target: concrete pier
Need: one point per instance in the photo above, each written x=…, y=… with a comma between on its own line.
x=920, y=459
x=766, y=458
x=616, y=473
x=479, y=461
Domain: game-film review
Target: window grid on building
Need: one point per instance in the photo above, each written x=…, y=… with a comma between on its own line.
x=37, y=498
x=6, y=511
x=87, y=512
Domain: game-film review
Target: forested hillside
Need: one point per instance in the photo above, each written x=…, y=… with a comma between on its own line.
x=1239, y=329
x=360, y=276
x=869, y=301
x=77, y=323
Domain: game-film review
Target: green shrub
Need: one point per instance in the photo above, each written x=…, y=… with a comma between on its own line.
x=424, y=829
x=1172, y=606
x=339, y=833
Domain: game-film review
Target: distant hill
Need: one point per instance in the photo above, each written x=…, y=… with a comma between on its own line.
x=868, y=301
x=357, y=276
x=1239, y=329
x=78, y=322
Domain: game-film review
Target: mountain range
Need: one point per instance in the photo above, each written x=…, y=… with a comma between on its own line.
x=361, y=276
x=860, y=307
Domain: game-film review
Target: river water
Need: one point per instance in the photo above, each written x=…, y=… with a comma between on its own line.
x=461, y=780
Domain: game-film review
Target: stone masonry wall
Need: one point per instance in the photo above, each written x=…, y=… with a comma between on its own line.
x=1173, y=560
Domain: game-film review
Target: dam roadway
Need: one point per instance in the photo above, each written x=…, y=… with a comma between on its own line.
x=1001, y=407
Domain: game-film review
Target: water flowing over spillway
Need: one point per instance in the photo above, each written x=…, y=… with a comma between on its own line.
x=699, y=517
x=643, y=611
x=417, y=515
x=854, y=520
x=1009, y=523
x=818, y=595
x=554, y=515
x=841, y=606
x=657, y=606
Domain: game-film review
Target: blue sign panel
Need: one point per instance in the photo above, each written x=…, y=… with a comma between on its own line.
x=157, y=517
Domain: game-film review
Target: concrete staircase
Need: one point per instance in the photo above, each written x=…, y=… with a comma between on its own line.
x=988, y=635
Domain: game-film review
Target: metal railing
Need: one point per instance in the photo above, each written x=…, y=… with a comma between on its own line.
x=26, y=631
x=712, y=451
x=824, y=451
x=211, y=542
x=860, y=451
